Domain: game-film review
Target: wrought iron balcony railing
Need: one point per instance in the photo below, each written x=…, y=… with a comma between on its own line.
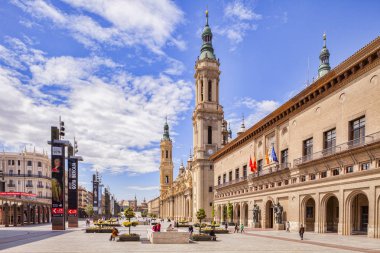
x=270, y=170
x=235, y=181
x=26, y=175
x=359, y=142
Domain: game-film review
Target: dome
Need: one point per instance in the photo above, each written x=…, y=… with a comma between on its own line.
x=206, y=30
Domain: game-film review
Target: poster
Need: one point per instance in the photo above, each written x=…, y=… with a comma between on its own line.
x=95, y=191
x=72, y=207
x=58, y=180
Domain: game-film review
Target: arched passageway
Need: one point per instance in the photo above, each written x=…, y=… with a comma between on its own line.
x=332, y=214
x=309, y=214
x=269, y=217
x=358, y=214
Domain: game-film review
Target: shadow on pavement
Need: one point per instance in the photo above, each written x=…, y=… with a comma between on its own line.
x=26, y=236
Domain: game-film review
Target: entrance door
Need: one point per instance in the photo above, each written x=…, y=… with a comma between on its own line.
x=271, y=217
x=364, y=218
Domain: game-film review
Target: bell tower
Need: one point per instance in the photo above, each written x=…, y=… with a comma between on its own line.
x=166, y=165
x=208, y=121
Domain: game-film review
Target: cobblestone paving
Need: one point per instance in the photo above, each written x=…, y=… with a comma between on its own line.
x=41, y=239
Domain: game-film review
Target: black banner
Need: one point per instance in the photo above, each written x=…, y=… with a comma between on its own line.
x=95, y=191
x=72, y=207
x=58, y=180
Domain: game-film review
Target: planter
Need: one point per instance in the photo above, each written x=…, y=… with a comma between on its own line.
x=99, y=230
x=183, y=225
x=217, y=231
x=129, y=238
x=201, y=237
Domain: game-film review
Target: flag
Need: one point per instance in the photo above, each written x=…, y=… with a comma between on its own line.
x=274, y=156
x=254, y=165
x=250, y=163
x=267, y=157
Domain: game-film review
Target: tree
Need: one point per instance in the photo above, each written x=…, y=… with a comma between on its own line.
x=213, y=212
x=129, y=214
x=229, y=211
x=89, y=210
x=144, y=214
x=201, y=214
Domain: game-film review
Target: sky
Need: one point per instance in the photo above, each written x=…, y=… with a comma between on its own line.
x=113, y=70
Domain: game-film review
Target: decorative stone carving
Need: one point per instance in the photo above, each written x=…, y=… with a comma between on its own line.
x=278, y=209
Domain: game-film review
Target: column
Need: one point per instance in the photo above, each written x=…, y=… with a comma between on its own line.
x=39, y=214
x=28, y=214
x=6, y=214
x=222, y=213
x=242, y=213
x=22, y=215
x=15, y=215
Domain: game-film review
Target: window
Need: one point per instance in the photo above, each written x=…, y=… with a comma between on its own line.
x=294, y=180
x=10, y=172
x=209, y=91
x=201, y=90
x=29, y=173
x=209, y=134
x=312, y=176
x=9, y=162
x=349, y=169
x=167, y=154
x=166, y=179
x=286, y=182
x=365, y=166
x=210, y=189
x=323, y=174
x=210, y=203
x=29, y=183
x=39, y=164
x=29, y=163
x=230, y=176
x=260, y=165
x=245, y=171
x=219, y=179
x=284, y=156
x=308, y=148
x=224, y=178
x=279, y=183
x=303, y=178
x=335, y=172
x=237, y=174
x=19, y=163
x=18, y=172
x=357, y=130
x=211, y=167
x=39, y=173
x=329, y=139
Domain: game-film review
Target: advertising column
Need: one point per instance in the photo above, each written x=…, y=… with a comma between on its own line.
x=72, y=209
x=58, y=186
x=95, y=191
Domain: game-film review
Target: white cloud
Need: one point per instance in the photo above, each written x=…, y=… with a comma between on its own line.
x=257, y=111
x=150, y=23
x=240, y=19
x=116, y=116
x=143, y=188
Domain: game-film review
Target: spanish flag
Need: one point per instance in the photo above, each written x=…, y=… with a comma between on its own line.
x=252, y=165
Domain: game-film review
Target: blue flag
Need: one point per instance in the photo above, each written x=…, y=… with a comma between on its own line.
x=274, y=156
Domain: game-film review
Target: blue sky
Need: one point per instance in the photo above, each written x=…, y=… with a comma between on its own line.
x=113, y=70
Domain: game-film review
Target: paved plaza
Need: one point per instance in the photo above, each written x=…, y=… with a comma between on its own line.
x=40, y=238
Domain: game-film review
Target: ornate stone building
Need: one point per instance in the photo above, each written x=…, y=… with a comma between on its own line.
x=193, y=188
x=326, y=171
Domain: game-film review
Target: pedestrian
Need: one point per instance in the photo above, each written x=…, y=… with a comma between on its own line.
x=114, y=234
x=191, y=230
x=302, y=231
x=242, y=228
x=226, y=225
x=236, y=228
x=287, y=226
x=159, y=227
x=212, y=235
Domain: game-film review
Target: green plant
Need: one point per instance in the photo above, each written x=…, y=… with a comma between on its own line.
x=213, y=211
x=89, y=210
x=201, y=214
x=129, y=214
x=129, y=237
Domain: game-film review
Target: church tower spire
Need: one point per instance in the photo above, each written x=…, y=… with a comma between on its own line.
x=166, y=165
x=207, y=51
x=324, y=57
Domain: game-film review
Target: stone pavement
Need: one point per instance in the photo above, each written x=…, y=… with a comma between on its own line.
x=40, y=238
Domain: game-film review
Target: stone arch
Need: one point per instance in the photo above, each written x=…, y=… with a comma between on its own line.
x=236, y=213
x=245, y=210
x=308, y=213
x=356, y=213
x=330, y=213
x=377, y=218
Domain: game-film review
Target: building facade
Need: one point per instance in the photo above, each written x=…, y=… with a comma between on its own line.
x=324, y=143
x=25, y=188
x=154, y=207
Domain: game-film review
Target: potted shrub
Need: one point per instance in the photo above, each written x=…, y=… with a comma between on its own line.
x=129, y=214
x=201, y=237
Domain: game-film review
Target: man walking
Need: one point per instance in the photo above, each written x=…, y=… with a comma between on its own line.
x=301, y=231
x=236, y=228
x=242, y=228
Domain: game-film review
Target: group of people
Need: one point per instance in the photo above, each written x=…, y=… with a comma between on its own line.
x=157, y=227
x=238, y=228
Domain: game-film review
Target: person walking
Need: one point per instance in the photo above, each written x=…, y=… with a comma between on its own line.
x=302, y=231
x=287, y=226
x=114, y=234
x=236, y=228
x=191, y=230
x=226, y=225
x=242, y=228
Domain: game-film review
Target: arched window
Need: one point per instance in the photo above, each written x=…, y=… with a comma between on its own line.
x=167, y=154
x=209, y=135
x=166, y=179
x=209, y=91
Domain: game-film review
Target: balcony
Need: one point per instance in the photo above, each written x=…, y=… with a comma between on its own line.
x=232, y=182
x=272, y=169
x=29, y=185
x=353, y=144
x=11, y=185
